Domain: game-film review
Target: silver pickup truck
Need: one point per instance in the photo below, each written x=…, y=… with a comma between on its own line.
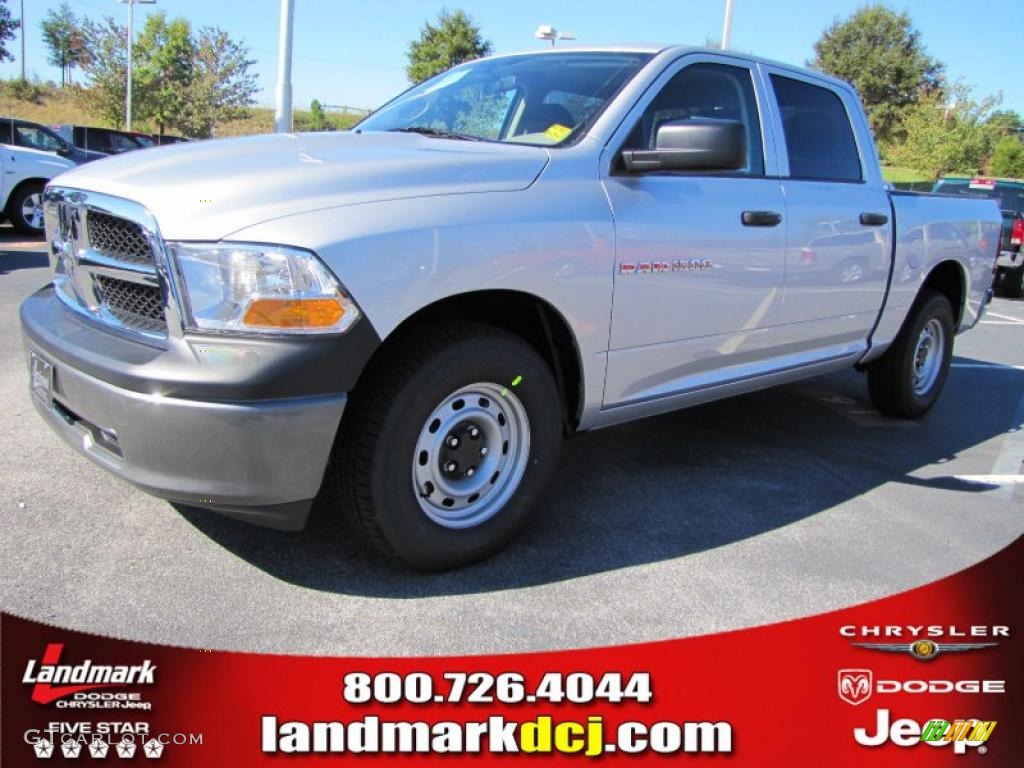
x=405, y=319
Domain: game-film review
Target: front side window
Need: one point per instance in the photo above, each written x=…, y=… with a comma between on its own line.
x=716, y=91
x=542, y=99
x=819, y=137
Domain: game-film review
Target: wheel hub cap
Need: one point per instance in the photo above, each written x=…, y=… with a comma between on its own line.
x=928, y=356
x=32, y=210
x=463, y=451
x=471, y=455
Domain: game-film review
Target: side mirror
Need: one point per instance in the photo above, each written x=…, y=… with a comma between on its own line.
x=697, y=144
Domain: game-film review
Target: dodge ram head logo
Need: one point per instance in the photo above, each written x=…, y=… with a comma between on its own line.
x=855, y=685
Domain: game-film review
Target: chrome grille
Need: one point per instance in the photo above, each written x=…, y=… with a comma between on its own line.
x=107, y=262
x=118, y=238
x=137, y=306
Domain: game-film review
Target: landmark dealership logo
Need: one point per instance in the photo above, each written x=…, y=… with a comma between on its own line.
x=51, y=680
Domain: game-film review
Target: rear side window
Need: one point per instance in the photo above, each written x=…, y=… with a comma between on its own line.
x=819, y=137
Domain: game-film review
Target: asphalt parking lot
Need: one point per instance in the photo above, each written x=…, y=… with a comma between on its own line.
x=771, y=506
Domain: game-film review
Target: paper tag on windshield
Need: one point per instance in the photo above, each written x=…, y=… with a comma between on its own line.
x=557, y=132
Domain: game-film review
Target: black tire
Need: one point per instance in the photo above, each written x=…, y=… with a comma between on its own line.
x=373, y=468
x=891, y=378
x=15, y=209
x=1012, y=283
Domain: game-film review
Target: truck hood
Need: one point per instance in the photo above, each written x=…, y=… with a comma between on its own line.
x=209, y=189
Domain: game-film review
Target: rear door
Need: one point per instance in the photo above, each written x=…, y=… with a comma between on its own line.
x=697, y=290
x=837, y=212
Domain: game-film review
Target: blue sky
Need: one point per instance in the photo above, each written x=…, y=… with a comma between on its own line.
x=353, y=53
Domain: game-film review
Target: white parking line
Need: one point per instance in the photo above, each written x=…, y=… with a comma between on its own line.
x=992, y=479
x=1011, y=318
x=993, y=366
x=998, y=322
x=1009, y=463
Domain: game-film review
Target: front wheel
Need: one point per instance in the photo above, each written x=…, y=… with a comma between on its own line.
x=906, y=381
x=452, y=439
x=25, y=210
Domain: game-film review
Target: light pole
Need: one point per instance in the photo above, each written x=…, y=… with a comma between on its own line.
x=22, y=30
x=547, y=32
x=131, y=39
x=283, y=110
x=727, y=25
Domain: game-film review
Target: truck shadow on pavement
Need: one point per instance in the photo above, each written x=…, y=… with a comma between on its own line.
x=674, y=485
x=11, y=261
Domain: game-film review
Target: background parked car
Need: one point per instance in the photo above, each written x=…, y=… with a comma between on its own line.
x=1009, y=193
x=24, y=133
x=107, y=141
x=24, y=174
x=168, y=139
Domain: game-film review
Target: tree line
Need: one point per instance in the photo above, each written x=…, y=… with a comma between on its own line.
x=187, y=81
x=183, y=80
x=921, y=118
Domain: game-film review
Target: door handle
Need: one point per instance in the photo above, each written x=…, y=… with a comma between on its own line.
x=761, y=218
x=873, y=219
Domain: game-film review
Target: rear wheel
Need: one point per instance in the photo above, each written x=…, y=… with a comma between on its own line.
x=1012, y=283
x=448, y=445
x=907, y=380
x=25, y=209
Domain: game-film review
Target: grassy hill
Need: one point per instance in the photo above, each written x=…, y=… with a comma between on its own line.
x=906, y=178
x=49, y=104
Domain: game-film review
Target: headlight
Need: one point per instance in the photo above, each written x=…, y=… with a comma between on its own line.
x=260, y=288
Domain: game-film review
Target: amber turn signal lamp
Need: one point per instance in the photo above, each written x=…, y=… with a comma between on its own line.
x=294, y=313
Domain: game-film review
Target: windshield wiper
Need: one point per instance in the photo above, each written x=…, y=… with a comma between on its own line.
x=436, y=133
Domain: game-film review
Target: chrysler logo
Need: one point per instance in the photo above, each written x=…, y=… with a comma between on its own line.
x=923, y=650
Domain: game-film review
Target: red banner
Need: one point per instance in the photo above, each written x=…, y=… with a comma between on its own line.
x=928, y=677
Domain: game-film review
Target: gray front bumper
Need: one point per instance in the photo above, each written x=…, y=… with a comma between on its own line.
x=261, y=460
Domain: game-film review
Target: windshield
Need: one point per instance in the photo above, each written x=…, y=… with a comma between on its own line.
x=541, y=99
x=1009, y=196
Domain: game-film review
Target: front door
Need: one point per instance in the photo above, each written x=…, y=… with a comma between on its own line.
x=700, y=257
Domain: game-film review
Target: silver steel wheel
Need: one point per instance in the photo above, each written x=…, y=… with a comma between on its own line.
x=471, y=455
x=851, y=273
x=32, y=210
x=928, y=356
